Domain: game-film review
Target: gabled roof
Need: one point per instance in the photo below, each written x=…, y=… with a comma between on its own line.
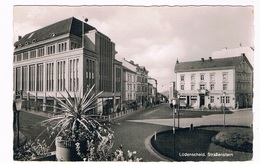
x=210, y=64
x=67, y=26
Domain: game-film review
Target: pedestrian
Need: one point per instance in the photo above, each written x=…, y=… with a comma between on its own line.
x=171, y=105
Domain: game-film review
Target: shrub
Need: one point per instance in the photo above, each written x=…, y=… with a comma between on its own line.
x=234, y=141
x=31, y=150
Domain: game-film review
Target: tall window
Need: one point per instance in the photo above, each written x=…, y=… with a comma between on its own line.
x=192, y=87
x=118, y=80
x=182, y=77
x=225, y=77
x=202, y=77
x=74, y=74
x=40, y=52
x=212, y=77
x=24, y=78
x=62, y=47
x=25, y=55
x=40, y=77
x=32, y=78
x=202, y=87
x=18, y=78
x=227, y=99
x=50, y=75
x=211, y=99
x=90, y=72
x=224, y=86
x=182, y=87
x=19, y=57
x=51, y=49
x=192, y=78
x=61, y=75
x=33, y=54
x=212, y=86
x=222, y=99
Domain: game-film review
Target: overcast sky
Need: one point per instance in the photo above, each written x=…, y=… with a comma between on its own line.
x=153, y=37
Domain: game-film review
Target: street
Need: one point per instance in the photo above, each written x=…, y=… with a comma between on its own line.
x=133, y=130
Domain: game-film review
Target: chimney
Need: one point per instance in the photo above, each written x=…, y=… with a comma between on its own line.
x=202, y=59
x=19, y=37
x=177, y=62
x=243, y=54
x=210, y=58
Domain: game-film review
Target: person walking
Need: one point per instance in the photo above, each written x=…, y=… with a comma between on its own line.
x=171, y=105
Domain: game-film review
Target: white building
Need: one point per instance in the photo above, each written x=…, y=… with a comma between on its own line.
x=66, y=55
x=215, y=82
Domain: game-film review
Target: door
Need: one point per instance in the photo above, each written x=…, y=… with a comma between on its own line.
x=202, y=100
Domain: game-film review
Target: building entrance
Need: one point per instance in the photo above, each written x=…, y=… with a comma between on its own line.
x=202, y=100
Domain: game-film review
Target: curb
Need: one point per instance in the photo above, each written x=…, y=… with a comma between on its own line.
x=150, y=148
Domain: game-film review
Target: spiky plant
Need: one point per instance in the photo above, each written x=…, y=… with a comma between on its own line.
x=74, y=123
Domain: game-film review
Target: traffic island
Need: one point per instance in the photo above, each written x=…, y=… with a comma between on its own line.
x=205, y=143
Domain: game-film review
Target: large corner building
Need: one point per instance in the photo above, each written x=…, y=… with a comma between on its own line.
x=213, y=83
x=69, y=54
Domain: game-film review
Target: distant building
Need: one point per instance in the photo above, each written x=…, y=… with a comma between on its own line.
x=135, y=82
x=215, y=82
x=68, y=54
x=129, y=85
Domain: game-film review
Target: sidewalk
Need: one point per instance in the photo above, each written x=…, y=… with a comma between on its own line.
x=242, y=117
x=113, y=116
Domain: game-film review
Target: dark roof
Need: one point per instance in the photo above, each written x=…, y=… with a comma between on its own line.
x=210, y=64
x=70, y=25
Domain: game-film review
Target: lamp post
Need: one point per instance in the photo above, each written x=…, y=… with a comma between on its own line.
x=173, y=112
x=178, y=110
x=224, y=111
x=18, y=104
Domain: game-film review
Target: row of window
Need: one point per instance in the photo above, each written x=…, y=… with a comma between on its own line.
x=243, y=77
x=202, y=77
x=130, y=87
x=244, y=86
x=131, y=96
x=130, y=78
x=142, y=79
x=141, y=88
x=50, y=49
x=223, y=99
x=203, y=87
x=35, y=76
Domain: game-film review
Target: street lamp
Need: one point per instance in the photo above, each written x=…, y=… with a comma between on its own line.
x=178, y=110
x=173, y=130
x=224, y=111
x=18, y=104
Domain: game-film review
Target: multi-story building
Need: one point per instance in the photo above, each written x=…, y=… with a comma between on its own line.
x=129, y=81
x=129, y=85
x=215, y=82
x=142, y=85
x=136, y=84
x=69, y=54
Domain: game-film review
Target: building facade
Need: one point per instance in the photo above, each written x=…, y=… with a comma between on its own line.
x=138, y=86
x=67, y=55
x=214, y=83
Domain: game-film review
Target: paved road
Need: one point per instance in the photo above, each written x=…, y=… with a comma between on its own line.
x=244, y=118
x=132, y=131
